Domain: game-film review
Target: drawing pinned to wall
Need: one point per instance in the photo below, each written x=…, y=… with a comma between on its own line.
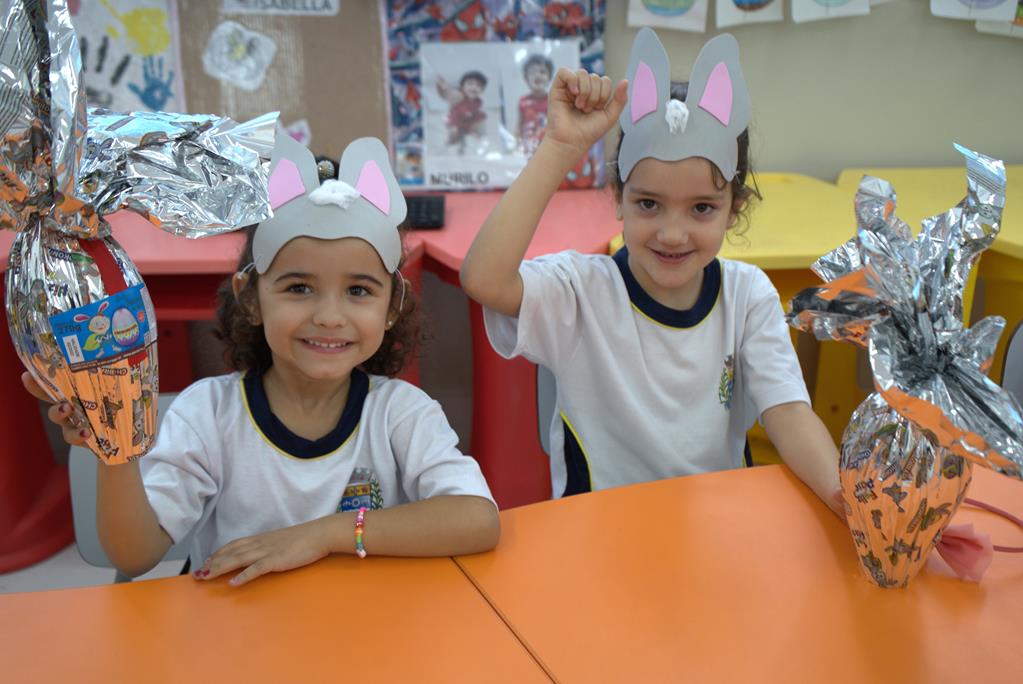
x=1013, y=28
x=814, y=10
x=679, y=15
x=129, y=54
x=295, y=8
x=238, y=56
x=738, y=12
x=300, y=131
x=987, y=10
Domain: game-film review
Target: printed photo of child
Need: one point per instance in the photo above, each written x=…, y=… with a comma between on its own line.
x=537, y=72
x=465, y=116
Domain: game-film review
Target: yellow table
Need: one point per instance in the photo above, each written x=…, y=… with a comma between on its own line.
x=924, y=192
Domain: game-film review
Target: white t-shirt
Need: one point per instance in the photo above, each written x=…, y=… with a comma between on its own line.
x=644, y=391
x=224, y=462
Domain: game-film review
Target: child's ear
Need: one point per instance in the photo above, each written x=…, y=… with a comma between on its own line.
x=398, y=303
x=618, y=210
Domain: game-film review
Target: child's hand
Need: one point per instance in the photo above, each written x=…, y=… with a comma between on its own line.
x=284, y=549
x=71, y=424
x=582, y=107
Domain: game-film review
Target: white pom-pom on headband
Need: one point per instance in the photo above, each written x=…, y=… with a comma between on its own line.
x=716, y=111
x=365, y=202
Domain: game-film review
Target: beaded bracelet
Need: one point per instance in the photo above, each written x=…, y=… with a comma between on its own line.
x=360, y=521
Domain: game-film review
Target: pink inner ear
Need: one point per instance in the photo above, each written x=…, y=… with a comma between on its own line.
x=373, y=186
x=285, y=183
x=717, y=97
x=644, y=92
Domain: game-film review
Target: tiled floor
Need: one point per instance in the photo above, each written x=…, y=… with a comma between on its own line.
x=66, y=569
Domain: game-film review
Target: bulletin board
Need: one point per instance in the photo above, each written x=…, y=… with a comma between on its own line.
x=320, y=64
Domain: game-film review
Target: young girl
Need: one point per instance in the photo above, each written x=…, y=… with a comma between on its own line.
x=305, y=451
x=664, y=354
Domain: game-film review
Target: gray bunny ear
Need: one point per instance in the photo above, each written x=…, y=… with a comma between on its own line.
x=365, y=165
x=649, y=76
x=292, y=169
x=717, y=85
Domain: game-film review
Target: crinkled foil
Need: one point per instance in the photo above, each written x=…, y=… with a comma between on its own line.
x=191, y=175
x=49, y=273
x=78, y=312
x=902, y=298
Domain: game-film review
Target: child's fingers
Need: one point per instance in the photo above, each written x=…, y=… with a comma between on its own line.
x=257, y=569
x=567, y=79
x=617, y=104
x=583, y=85
x=237, y=554
x=33, y=387
x=596, y=88
x=605, y=92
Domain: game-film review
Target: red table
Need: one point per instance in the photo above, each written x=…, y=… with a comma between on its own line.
x=505, y=438
x=182, y=276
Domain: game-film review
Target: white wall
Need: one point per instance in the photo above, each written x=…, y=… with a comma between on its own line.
x=894, y=88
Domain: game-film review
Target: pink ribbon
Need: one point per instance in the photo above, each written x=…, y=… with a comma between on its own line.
x=969, y=553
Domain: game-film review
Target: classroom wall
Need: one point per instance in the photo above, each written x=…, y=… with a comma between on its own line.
x=894, y=88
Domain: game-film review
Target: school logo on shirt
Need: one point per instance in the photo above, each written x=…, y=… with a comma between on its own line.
x=727, y=382
x=363, y=491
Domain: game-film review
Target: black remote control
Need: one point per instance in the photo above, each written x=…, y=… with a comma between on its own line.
x=425, y=211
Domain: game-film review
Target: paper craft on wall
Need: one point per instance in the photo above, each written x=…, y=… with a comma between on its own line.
x=1012, y=28
x=130, y=54
x=988, y=10
x=813, y=10
x=738, y=12
x=680, y=15
x=236, y=55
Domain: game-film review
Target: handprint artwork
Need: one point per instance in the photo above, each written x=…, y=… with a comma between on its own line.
x=129, y=61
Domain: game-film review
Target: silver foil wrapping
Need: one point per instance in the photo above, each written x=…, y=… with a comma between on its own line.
x=78, y=311
x=906, y=453
x=112, y=377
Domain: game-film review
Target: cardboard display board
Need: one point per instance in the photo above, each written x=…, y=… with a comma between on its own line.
x=323, y=71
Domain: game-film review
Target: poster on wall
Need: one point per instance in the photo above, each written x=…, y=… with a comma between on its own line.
x=815, y=10
x=678, y=15
x=738, y=12
x=485, y=108
x=1012, y=28
x=130, y=56
x=536, y=26
x=988, y=10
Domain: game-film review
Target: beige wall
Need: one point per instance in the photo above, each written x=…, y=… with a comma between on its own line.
x=894, y=88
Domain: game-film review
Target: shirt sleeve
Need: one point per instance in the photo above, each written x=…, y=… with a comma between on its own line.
x=769, y=363
x=544, y=332
x=426, y=450
x=176, y=473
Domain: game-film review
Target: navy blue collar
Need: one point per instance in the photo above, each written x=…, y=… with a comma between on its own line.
x=665, y=315
x=286, y=440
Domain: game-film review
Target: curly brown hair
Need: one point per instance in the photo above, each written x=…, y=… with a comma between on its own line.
x=743, y=193
x=245, y=342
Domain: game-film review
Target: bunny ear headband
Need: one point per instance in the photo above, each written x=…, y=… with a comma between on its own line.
x=716, y=111
x=365, y=202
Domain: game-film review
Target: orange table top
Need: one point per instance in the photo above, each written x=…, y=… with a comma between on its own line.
x=381, y=620
x=156, y=252
x=742, y=576
x=583, y=220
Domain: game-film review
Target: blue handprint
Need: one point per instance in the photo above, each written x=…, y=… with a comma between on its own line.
x=156, y=90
